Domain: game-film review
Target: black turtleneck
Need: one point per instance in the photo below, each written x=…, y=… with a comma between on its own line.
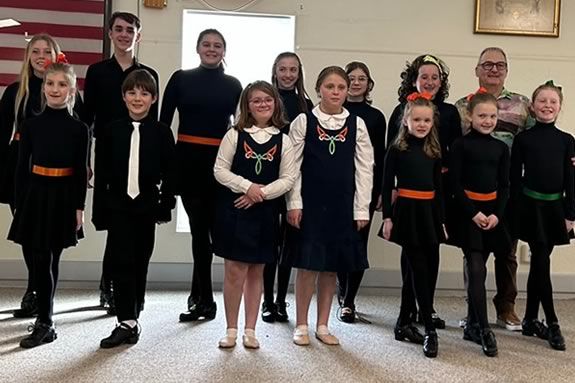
x=479, y=163
x=53, y=139
x=541, y=161
x=376, y=127
x=410, y=169
x=205, y=99
x=292, y=106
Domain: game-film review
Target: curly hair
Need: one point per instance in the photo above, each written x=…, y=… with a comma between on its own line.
x=409, y=76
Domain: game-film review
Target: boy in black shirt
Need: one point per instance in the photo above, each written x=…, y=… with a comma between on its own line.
x=133, y=191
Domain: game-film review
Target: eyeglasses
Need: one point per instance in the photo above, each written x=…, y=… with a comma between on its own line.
x=488, y=65
x=260, y=101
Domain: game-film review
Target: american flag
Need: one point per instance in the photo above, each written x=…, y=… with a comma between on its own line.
x=77, y=26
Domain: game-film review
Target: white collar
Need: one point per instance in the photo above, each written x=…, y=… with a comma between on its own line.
x=271, y=130
x=322, y=116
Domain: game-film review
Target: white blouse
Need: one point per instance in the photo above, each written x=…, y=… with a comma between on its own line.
x=363, y=159
x=239, y=184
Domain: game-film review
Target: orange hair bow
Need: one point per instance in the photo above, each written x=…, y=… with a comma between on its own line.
x=60, y=59
x=481, y=90
x=415, y=95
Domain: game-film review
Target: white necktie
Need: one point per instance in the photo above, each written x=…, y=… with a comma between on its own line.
x=134, y=162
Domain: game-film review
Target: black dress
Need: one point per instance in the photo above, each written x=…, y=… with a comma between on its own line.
x=480, y=164
x=46, y=205
x=542, y=185
x=250, y=235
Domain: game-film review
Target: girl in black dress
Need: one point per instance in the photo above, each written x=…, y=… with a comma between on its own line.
x=415, y=220
x=255, y=165
x=287, y=78
x=543, y=201
x=358, y=102
x=480, y=174
x=51, y=182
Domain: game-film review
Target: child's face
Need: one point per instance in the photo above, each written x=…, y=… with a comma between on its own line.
x=333, y=92
x=57, y=90
x=419, y=121
x=124, y=35
x=40, y=52
x=546, y=105
x=138, y=101
x=484, y=117
x=211, y=50
x=261, y=106
x=287, y=72
x=358, y=83
x=428, y=79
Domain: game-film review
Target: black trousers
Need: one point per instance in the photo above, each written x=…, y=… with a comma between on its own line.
x=130, y=246
x=106, y=278
x=420, y=262
x=201, y=214
x=28, y=260
x=46, y=268
x=539, y=287
x=475, y=262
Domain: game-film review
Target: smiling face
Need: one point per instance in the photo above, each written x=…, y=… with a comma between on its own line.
x=123, y=35
x=57, y=90
x=428, y=79
x=419, y=121
x=491, y=69
x=359, y=82
x=40, y=52
x=333, y=91
x=484, y=117
x=211, y=49
x=261, y=106
x=138, y=101
x=546, y=105
x=287, y=72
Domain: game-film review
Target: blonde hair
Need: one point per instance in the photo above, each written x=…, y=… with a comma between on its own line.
x=431, y=145
x=23, y=94
x=68, y=72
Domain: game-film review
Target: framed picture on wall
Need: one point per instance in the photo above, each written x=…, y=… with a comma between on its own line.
x=518, y=17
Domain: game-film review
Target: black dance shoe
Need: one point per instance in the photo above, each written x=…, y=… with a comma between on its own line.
x=347, y=314
x=488, y=342
x=268, y=312
x=533, y=327
x=430, y=344
x=41, y=333
x=199, y=311
x=192, y=301
x=281, y=312
x=120, y=335
x=472, y=333
x=556, y=340
x=438, y=323
x=409, y=333
x=28, y=306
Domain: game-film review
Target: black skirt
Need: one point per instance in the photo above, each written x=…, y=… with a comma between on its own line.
x=7, y=171
x=46, y=218
x=541, y=222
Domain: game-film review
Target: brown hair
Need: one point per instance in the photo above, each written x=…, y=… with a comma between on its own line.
x=551, y=86
x=130, y=18
x=299, y=84
x=370, y=83
x=68, y=72
x=431, y=145
x=328, y=71
x=246, y=120
x=142, y=79
x=480, y=98
x=411, y=71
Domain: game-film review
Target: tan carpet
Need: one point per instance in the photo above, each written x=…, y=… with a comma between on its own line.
x=169, y=351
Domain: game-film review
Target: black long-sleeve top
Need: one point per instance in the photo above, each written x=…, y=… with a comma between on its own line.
x=541, y=161
x=410, y=169
x=205, y=99
x=449, y=127
x=54, y=139
x=103, y=93
x=376, y=127
x=292, y=107
x=479, y=163
x=156, y=172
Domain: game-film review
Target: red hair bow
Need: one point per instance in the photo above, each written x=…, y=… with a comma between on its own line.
x=415, y=95
x=481, y=90
x=60, y=59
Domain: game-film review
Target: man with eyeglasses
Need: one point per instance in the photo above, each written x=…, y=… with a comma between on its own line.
x=512, y=117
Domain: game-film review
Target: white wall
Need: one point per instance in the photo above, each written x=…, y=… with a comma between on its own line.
x=383, y=33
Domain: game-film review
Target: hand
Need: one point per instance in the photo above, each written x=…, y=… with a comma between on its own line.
x=255, y=193
x=480, y=220
x=379, y=205
x=361, y=223
x=394, y=193
x=445, y=232
x=244, y=202
x=79, y=219
x=569, y=225
x=387, y=226
x=492, y=221
x=294, y=217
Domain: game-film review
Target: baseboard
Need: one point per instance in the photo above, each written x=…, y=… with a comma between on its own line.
x=178, y=275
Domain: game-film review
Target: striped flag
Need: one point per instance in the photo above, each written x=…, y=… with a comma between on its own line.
x=77, y=26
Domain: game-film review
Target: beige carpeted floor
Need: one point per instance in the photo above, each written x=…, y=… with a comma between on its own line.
x=169, y=351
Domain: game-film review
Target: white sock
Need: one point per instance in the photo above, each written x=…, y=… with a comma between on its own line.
x=131, y=322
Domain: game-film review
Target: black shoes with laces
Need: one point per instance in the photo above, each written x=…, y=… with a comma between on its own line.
x=41, y=333
x=122, y=334
x=28, y=306
x=199, y=311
